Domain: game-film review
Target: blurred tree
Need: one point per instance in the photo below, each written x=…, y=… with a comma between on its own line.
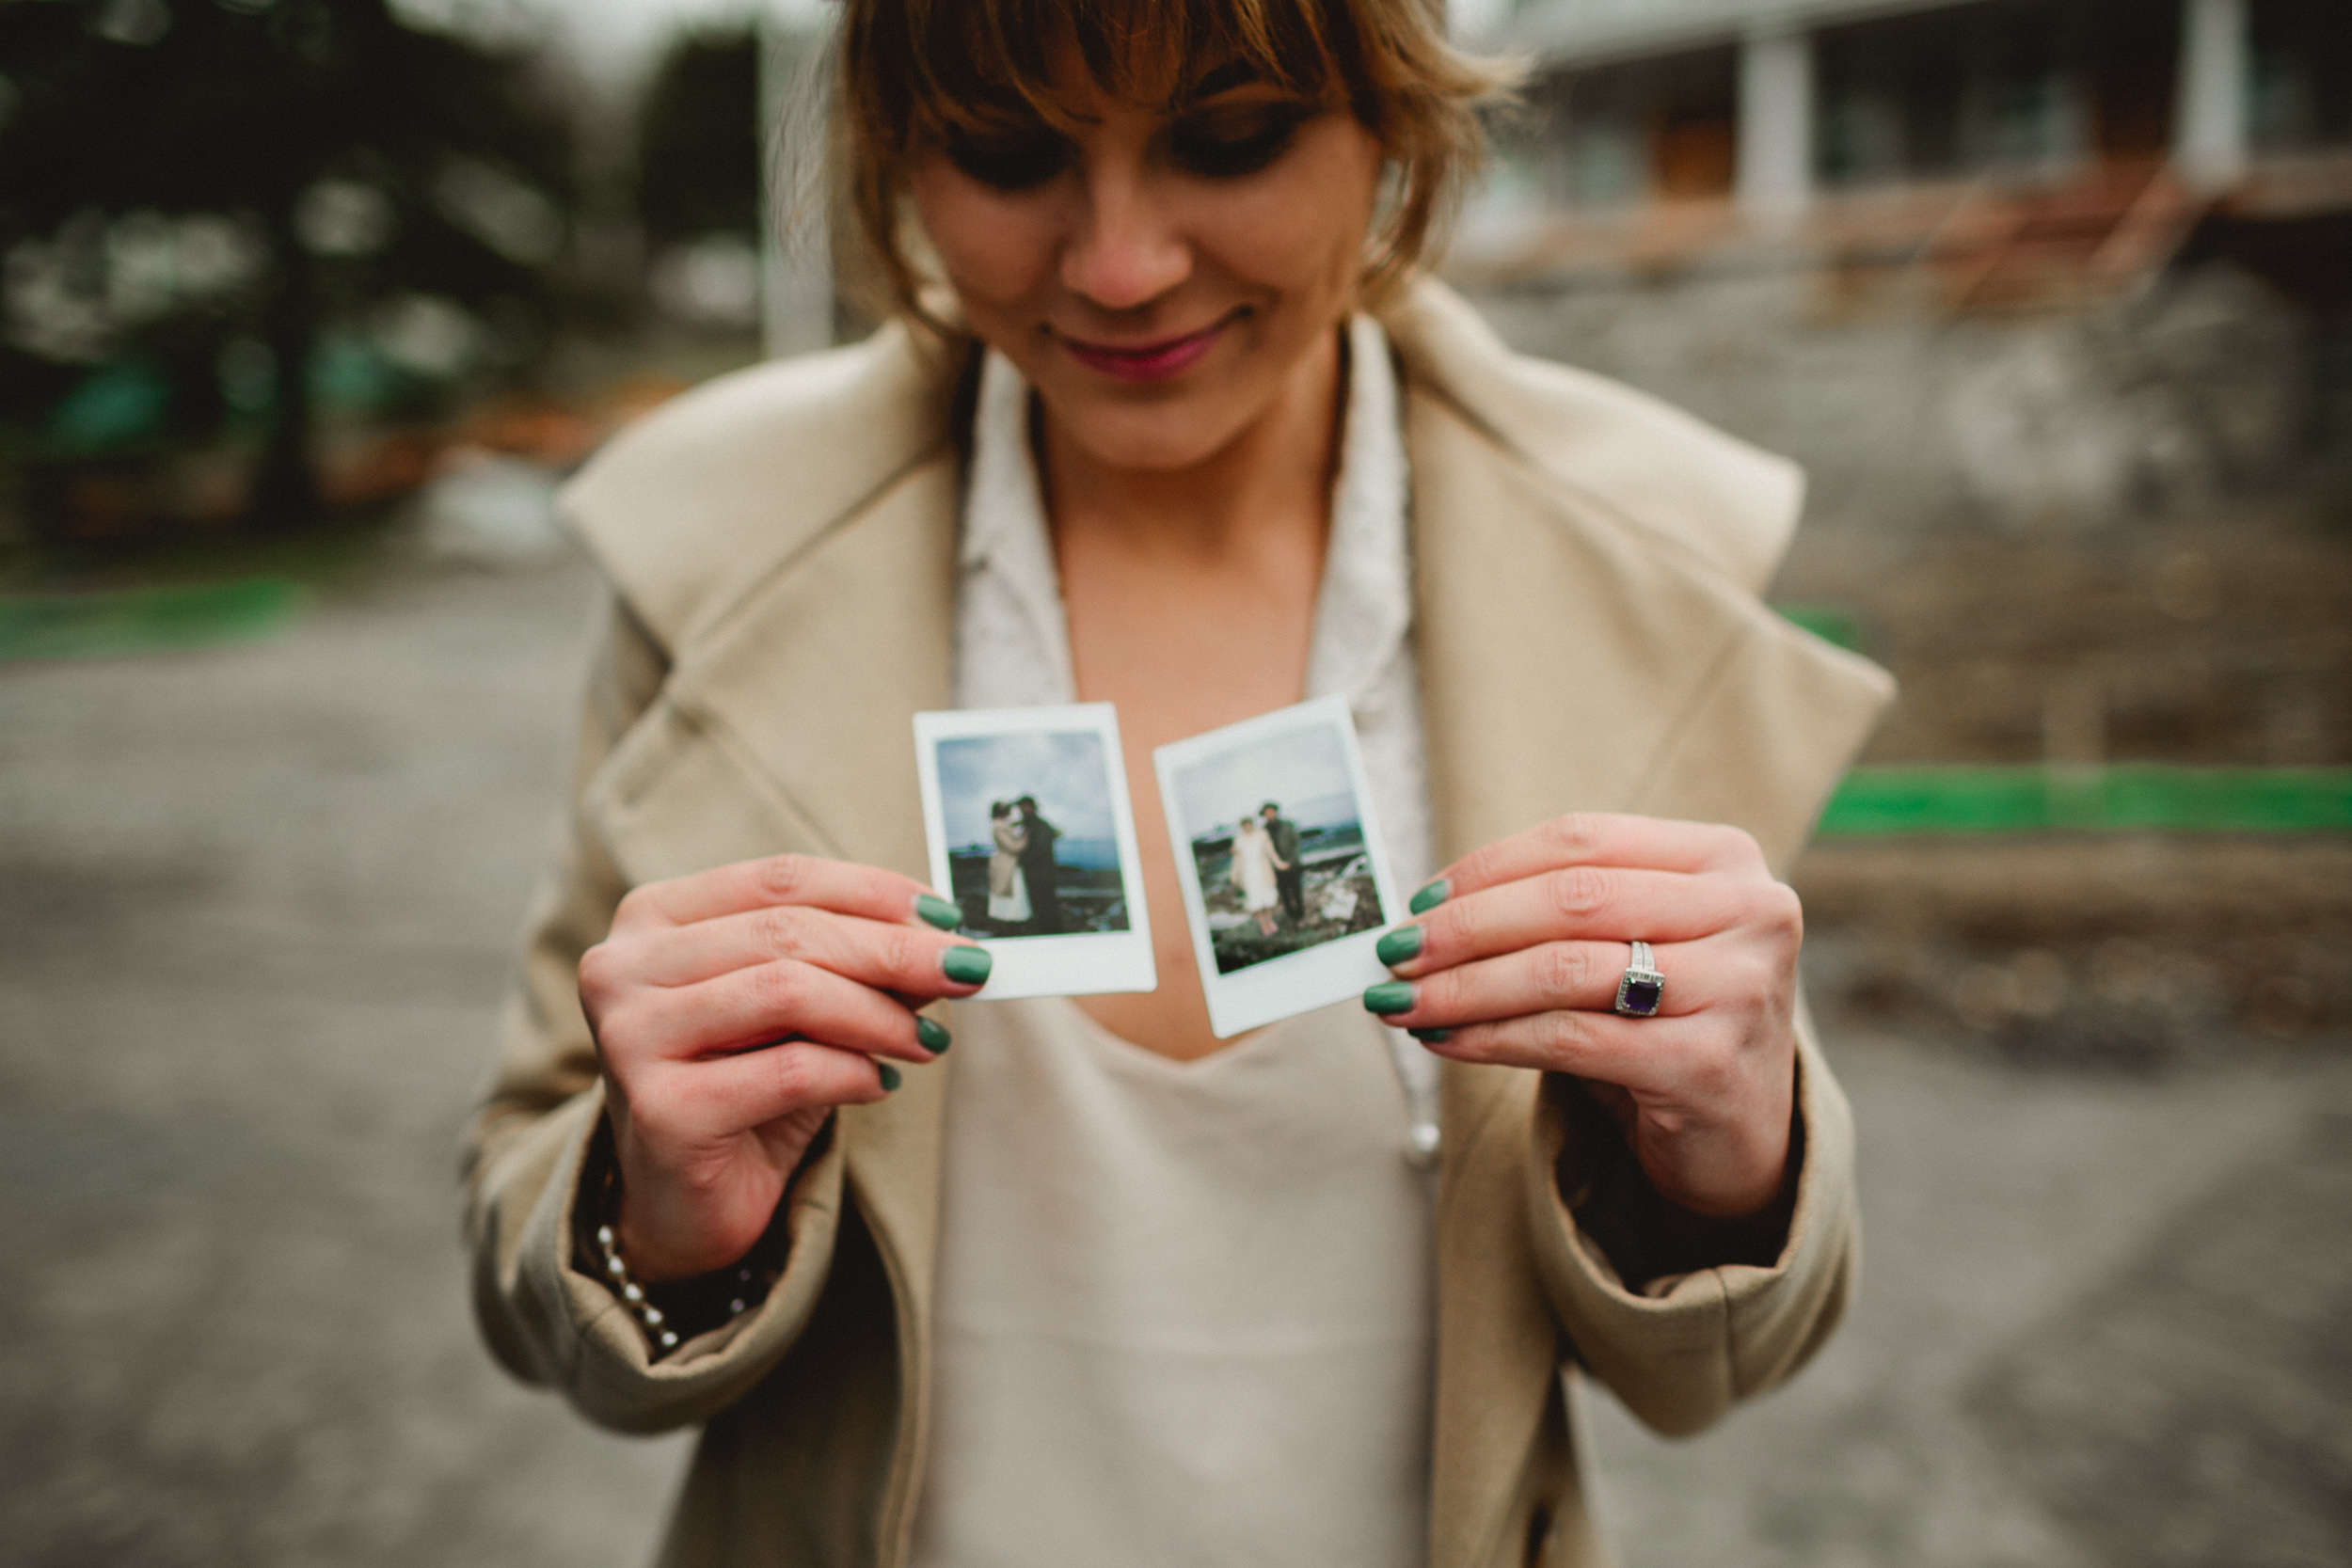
x=221, y=207
x=699, y=180
x=698, y=140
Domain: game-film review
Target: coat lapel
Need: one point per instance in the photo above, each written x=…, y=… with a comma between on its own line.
x=785, y=721
x=862, y=623
x=1574, y=657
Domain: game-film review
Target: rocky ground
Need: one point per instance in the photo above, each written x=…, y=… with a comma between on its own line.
x=255, y=908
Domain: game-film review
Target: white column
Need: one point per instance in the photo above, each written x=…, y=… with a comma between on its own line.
x=2209, y=122
x=796, y=284
x=1775, y=150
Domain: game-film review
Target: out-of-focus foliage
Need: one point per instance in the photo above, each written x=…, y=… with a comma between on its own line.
x=698, y=144
x=700, y=179
x=222, y=213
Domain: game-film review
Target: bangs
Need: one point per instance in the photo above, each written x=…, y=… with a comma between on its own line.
x=917, y=71
x=975, y=64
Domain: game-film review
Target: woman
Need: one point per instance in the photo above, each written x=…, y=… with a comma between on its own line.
x=1176, y=426
x=1253, y=869
x=1008, y=889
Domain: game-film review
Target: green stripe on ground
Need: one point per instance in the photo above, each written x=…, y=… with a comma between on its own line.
x=1827, y=622
x=145, y=619
x=2125, y=795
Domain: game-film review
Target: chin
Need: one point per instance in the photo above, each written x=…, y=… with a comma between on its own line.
x=1148, y=437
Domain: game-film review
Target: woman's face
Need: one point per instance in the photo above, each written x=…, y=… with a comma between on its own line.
x=1161, y=273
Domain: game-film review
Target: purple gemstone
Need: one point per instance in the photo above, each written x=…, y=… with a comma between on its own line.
x=1641, y=996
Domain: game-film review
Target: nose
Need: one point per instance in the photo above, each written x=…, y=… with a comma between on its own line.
x=1126, y=252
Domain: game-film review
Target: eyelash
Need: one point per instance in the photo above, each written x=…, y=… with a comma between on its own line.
x=1012, y=164
x=1231, y=157
x=1024, y=163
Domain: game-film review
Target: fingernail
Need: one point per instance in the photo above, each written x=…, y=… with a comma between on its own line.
x=937, y=911
x=1431, y=896
x=1392, y=996
x=889, y=1076
x=1397, y=946
x=930, y=1036
x=968, y=966
x=1429, y=1036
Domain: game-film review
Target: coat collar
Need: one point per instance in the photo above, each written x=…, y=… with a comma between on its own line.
x=1586, y=564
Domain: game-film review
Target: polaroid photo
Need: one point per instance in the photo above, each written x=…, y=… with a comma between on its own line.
x=1285, y=874
x=1033, y=838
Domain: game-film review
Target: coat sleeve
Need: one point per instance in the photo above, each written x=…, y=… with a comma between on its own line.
x=527, y=1143
x=1681, y=1349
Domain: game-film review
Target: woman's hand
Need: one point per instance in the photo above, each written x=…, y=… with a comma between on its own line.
x=1519, y=963
x=732, y=1011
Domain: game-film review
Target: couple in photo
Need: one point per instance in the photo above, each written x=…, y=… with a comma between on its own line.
x=1023, y=883
x=1266, y=868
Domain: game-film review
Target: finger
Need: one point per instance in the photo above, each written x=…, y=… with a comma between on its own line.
x=1576, y=975
x=1579, y=903
x=841, y=886
x=749, y=1007
x=1595, y=838
x=734, y=1094
x=907, y=959
x=1642, y=1055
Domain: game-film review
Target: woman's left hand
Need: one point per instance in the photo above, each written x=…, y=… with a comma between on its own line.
x=1519, y=965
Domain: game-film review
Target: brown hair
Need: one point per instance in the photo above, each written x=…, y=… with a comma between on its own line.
x=915, y=69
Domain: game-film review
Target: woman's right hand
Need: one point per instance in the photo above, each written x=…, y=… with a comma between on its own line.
x=732, y=1011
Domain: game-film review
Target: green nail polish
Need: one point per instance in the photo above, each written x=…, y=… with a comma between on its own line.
x=1431, y=896
x=1394, y=996
x=1399, y=945
x=968, y=966
x=937, y=911
x=1429, y=1036
x=889, y=1076
x=930, y=1036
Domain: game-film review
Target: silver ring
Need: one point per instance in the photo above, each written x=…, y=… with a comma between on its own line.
x=1641, y=988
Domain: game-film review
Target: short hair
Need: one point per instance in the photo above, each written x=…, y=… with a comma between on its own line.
x=1272, y=807
x=1028, y=800
x=911, y=69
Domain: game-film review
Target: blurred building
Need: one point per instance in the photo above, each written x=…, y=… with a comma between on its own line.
x=1775, y=104
x=2052, y=259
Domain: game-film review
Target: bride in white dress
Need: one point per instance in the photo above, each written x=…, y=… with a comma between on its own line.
x=1254, y=864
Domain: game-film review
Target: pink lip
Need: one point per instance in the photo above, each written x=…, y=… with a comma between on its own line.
x=1158, y=361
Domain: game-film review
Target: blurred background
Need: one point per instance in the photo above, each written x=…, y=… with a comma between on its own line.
x=309, y=306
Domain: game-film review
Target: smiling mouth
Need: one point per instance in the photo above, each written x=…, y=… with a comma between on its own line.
x=1149, y=362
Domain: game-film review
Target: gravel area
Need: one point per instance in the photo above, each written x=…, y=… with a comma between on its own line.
x=255, y=912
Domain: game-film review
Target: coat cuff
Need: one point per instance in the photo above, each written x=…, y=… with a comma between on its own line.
x=600, y=1359
x=1681, y=1348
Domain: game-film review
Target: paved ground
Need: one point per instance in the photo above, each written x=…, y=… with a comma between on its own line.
x=254, y=908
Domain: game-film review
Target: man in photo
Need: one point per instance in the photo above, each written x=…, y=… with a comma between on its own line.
x=1039, y=870
x=1290, y=877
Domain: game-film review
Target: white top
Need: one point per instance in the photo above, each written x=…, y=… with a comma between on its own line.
x=1184, y=1312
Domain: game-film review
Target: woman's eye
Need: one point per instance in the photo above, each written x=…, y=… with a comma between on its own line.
x=1228, y=150
x=1010, y=164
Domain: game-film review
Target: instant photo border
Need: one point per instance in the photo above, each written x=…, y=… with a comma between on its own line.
x=1085, y=963
x=1299, y=982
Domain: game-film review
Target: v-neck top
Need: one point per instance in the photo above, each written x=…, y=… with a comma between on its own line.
x=1184, y=1312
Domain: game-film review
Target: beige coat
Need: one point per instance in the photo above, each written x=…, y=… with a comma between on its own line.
x=782, y=548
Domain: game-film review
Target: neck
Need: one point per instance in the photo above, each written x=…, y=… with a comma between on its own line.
x=1275, y=472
